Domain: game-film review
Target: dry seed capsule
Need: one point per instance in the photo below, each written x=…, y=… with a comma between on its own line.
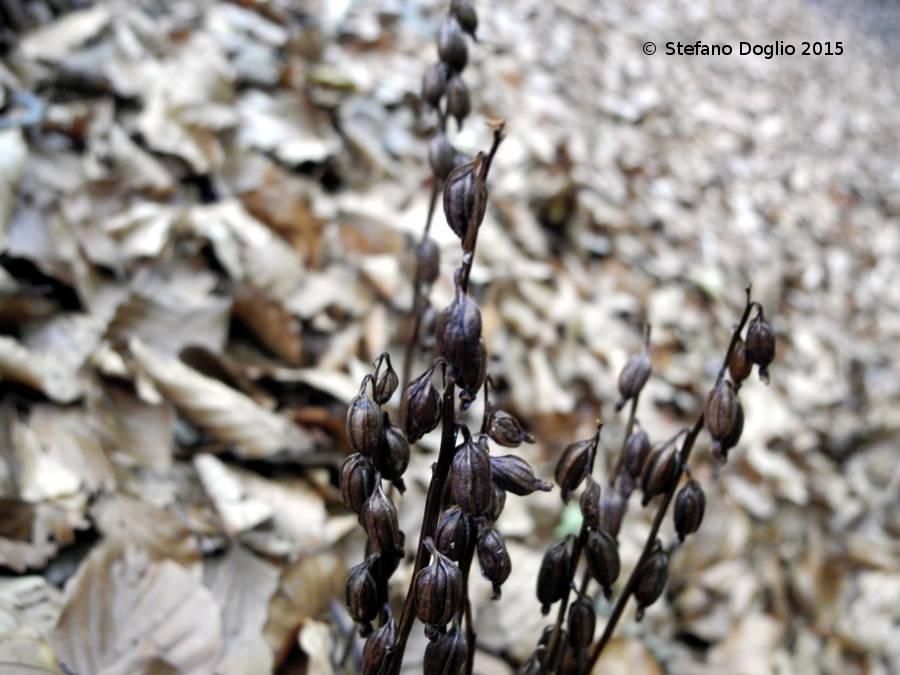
x=737, y=429
x=363, y=599
x=470, y=478
x=554, y=575
x=689, y=506
x=721, y=414
x=441, y=155
x=635, y=373
x=427, y=324
x=453, y=533
x=364, y=421
x=382, y=565
x=392, y=457
x=459, y=103
x=515, y=475
x=438, y=588
x=544, y=644
x=446, y=655
x=761, y=345
x=458, y=331
x=379, y=518
x=420, y=406
x=428, y=261
x=582, y=622
x=498, y=501
x=452, y=48
x=625, y=484
x=378, y=645
x=660, y=471
x=739, y=365
x=590, y=503
x=651, y=579
x=464, y=10
x=505, y=429
x=463, y=207
x=471, y=377
x=493, y=557
x=612, y=512
x=602, y=556
x=434, y=84
x=571, y=661
x=574, y=465
x=386, y=382
x=637, y=449
x=357, y=481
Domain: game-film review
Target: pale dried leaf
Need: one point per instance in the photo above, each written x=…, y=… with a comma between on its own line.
x=13, y=157
x=29, y=601
x=24, y=651
x=316, y=642
x=223, y=485
x=69, y=437
x=58, y=39
x=45, y=372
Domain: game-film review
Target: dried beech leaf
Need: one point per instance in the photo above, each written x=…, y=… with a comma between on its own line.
x=122, y=608
x=13, y=158
x=223, y=485
x=43, y=371
x=39, y=476
x=228, y=415
x=29, y=601
x=25, y=651
x=316, y=642
x=69, y=437
x=58, y=39
x=272, y=325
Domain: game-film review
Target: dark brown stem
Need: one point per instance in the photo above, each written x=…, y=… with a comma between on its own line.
x=465, y=565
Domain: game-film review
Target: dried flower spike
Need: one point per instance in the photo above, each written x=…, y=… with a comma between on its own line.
x=465, y=197
x=505, y=429
x=364, y=421
x=362, y=596
x=470, y=478
x=660, y=471
x=453, y=533
x=493, y=557
x=652, y=576
x=515, y=475
x=761, y=344
x=446, y=655
x=438, y=589
x=378, y=645
x=637, y=449
x=420, y=406
x=721, y=414
x=471, y=377
x=635, y=373
x=386, y=381
x=458, y=330
x=379, y=518
x=357, y=481
x=689, y=506
x=553, y=577
x=574, y=465
x=393, y=454
x=602, y=556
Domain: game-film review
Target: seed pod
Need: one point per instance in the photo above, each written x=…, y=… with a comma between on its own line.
x=382, y=565
x=363, y=599
x=463, y=207
x=493, y=557
x=574, y=465
x=470, y=478
x=739, y=365
x=498, y=501
x=459, y=104
x=612, y=512
x=428, y=262
x=721, y=413
x=427, y=324
x=378, y=645
x=637, y=449
x=625, y=484
x=392, y=457
x=582, y=621
x=420, y=406
x=761, y=345
x=357, y=481
x=471, y=377
x=590, y=503
x=364, y=421
x=452, y=48
x=635, y=373
x=379, y=518
x=570, y=663
x=533, y=665
x=438, y=588
x=386, y=381
x=689, y=506
x=453, y=533
x=660, y=470
x=505, y=429
x=434, y=84
x=602, y=556
x=447, y=654
x=458, y=331
x=464, y=10
x=652, y=576
x=554, y=575
x=441, y=155
x=543, y=645
x=515, y=475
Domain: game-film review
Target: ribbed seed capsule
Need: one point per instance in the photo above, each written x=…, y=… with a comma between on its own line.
x=739, y=365
x=363, y=599
x=420, y=406
x=570, y=663
x=465, y=197
x=602, y=556
x=428, y=261
x=392, y=457
x=441, y=155
x=379, y=518
x=689, y=506
x=470, y=478
x=761, y=345
x=357, y=481
x=590, y=503
x=553, y=577
x=506, y=430
x=453, y=533
x=386, y=380
x=452, y=48
x=438, y=588
x=652, y=576
x=434, y=84
x=574, y=465
x=464, y=10
x=721, y=414
x=515, y=475
x=378, y=645
x=447, y=654
x=471, y=377
x=364, y=421
x=459, y=103
x=493, y=557
x=635, y=373
x=612, y=512
x=660, y=470
x=498, y=501
x=582, y=622
x=458, y=331
x=637, y=449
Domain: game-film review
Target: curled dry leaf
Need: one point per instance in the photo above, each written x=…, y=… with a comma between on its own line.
x=271, y=324
x=29, y=601
x=316, y=642
x=226, y=414
x=43, y=371
x=223, y=485
x=24, y=651
x=122, y=608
